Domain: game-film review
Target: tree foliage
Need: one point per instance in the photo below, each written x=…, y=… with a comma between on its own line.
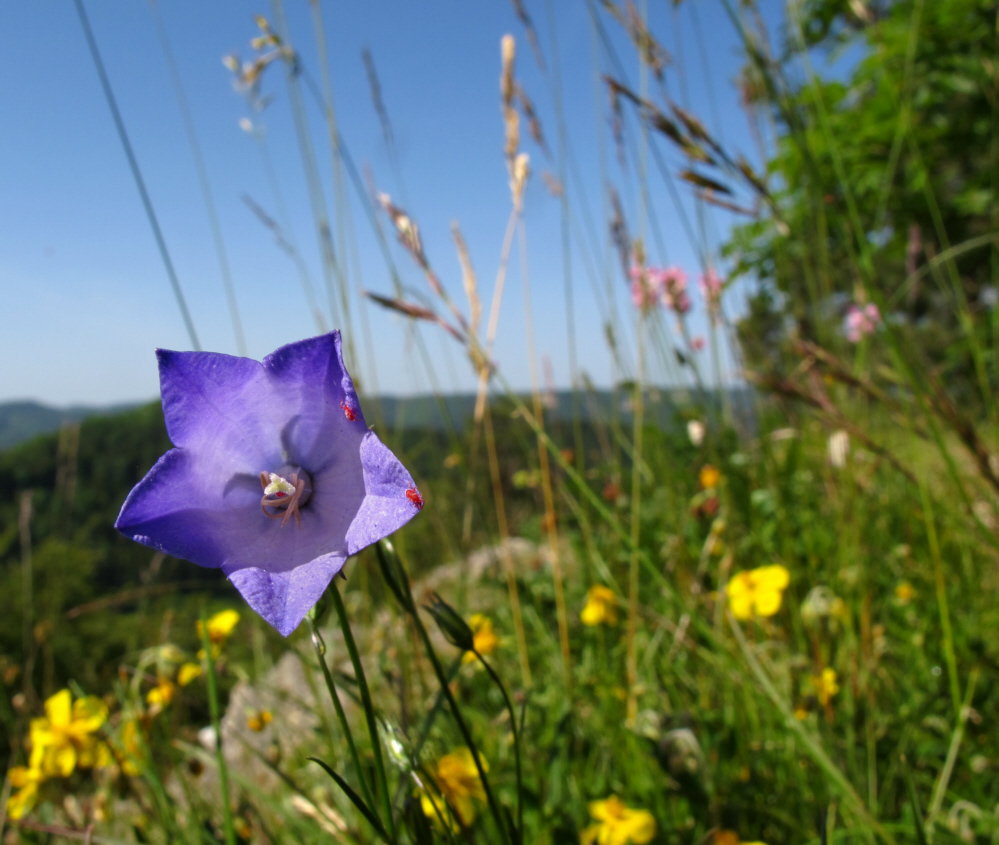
x=879, y=173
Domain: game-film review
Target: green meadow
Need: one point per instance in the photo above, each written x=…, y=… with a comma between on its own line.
x=748, y=593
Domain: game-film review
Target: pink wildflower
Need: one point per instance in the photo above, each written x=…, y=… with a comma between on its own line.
x=672, y=284
x=697, y=343
x=861, y=322
x=643, y=286
x=711, y=288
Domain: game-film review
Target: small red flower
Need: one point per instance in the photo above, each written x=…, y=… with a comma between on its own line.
x=415, y=498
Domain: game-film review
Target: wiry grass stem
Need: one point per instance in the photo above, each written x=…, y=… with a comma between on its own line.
x=814, y=748
x=213, y=709
x=940, y=583
x=137, y=175
x=204, y=183
x=320, y=648
x=399, y=584
x=367, y=704
x=550, y=524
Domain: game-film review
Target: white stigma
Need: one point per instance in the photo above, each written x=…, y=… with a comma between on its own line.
x=278, y=485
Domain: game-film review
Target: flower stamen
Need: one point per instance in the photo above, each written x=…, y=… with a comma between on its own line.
x=286, y=490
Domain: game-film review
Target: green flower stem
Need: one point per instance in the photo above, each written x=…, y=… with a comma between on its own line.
x=516, y=743
x=631, y=658
x=400, y=585
x=213, y=709
x=940, y=788
x=417, y=747
x=940, y=582
x=369, y=709
x=462, y=726
x=320, y=648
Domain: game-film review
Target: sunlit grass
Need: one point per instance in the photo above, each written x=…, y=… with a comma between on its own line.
x=655, y=622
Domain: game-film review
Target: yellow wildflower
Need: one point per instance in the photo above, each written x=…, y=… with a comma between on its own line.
x=618, y=824
x=187, y=673
x=64, y=738
x=904, y=592
x=825, y=686
x=757, y=592
x=601, y=607
x=161, y=695
x=26, y=780
x=220, y=627
x=483, y=637
x=458, y=789
x=709, y=476
x=258, y=721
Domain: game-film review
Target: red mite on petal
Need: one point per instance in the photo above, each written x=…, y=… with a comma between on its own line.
x=415, y=498
x=348, y=411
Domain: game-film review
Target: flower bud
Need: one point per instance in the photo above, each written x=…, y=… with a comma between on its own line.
x=454, y=628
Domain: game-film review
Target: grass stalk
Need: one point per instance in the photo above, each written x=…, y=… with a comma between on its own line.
x=140, y=184
x=483, y=414
x=399, y=583
x=940, y=787
x=636, y=510
x=810, y=743
x=516, y=743
x=505, y=551
x=940, y=584
x=317, y=200
x=550, y=518
x=320, y=648
x=368, y=705
x=215, y=712
x=203, y=182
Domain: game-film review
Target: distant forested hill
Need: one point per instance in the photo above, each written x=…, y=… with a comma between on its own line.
x=20, y=421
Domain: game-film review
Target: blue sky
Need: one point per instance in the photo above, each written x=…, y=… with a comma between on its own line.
x=86, y=299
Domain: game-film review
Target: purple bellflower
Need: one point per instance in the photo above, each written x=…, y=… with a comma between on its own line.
x=275, y=478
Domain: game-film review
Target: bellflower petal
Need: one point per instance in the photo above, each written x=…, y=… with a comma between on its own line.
x=293, y=417
x=283, y=598
x=381, y=507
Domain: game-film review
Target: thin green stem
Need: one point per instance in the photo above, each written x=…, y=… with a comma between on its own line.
x=516, y=743
x=213, y=709
x=140, y=184
x=369, y=709
x=466, y=734
x=205, y=184
x=941, y=590
x=810, y=743
x=320, y=648
x=405, y=595
x=636, y=512
x=940, y=788
x=416, y=749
